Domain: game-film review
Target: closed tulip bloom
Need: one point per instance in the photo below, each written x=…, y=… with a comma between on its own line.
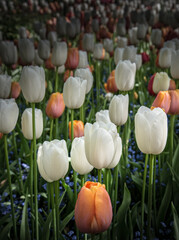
x=108, y=45
x=118, y=55
x=55, y=106
x=125, y=75
x=32, y=82
x=156, y=37
x=8, y=53
x=5, y=83
x=88, y=42
x=90, y=216
x=118, y=109
x=174, y=64
x=98, y=51
x=59, y=53
x=138, y=61
x=61, y=69
x=52, y=37
x=133, y=36
x=44, y=49
x=79, y=161
x=78, y=128
x=77, y=24
x=141, y=30
x=151, y=130
x=83, y=59
x=70, y=30
x=61, y=27
x=74, y=90
x=52, y=160
x=129, y=53
x=108, y=96
x=170, y=44
x=22, y=32
x=162, y=100
x=9, y=113
x=15, y=90
x=103, y=116
x=122, y=42
x=26, y=50
x=37, y=60
x=165, y=55
x=161, y=82
x=121, y=29
x=95, y=25
x=72, y=59
x=174, y=106
x=26, y=123
x=85, y=74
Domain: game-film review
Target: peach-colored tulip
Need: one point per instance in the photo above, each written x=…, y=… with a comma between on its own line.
x=111, y=84
x=55, y=106
x=174, y=106
x=1, y=135
x=93, y=209
x=78, y=128
x=72, y=59
x=15, y=90
x=172, y=85
x=162, y=100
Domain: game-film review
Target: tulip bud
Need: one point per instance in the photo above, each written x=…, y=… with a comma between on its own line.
x=174, y=64
x=133, y=36
x=44, y=49
x=151, y=130
x=95, y=25
x=141, y=31
x=78, y=128
x=138, y=61
x=9, y=112
x=70, y=30
x=118, y=55
x=61, y=69
x=85, y=74
x=162, y=100
x=108, y=96
x=52, y=37
x=15, y=90
x=118, y=109
x=161, y=82
x=61, y=27
x=74, y=91
x=8, y=53
x=26, y=50
x=103, y=116
x=90, y=216
x=26, y=122
x=5, y=83
x=129, y=53
x=145, y=57
x=156, y=37
x=52, y=160
x=111, y=84
x=88, y=42
x=150, y=85
x=174, y=106
x=122, y=42
x=170, y=44
x=59, y=53
x=108, y=45
x=165, y=55
x=83, y=60
x=37, y=60
x=55, y=106
x=32, y=82
x=121, y=29
x=72, y=59
x=22, y=32
x=98, y=52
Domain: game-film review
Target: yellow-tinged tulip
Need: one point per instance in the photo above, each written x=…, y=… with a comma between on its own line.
x=162, y=100
x=55, y=106
x=78, y=128
x=174, y=106
x=90, y=216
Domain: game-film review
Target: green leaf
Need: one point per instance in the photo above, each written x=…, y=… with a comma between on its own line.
x=46, y=227
x=68, y=190
x=66, y=220
x=141, y=97
x=24, y=230
x=137, y=180
x=176, y=221
x=5, y=231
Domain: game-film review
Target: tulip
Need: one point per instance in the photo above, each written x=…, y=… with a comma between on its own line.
x=118, y=55
x=85, y=74
x=42, y=33
x=108, y=96
x=133, y=36
x=108, y=45
x=95, y=25
x=162, y=100
x=172, y=85
x=68, y=73
x=129, y=53
x=61, y=69
x=150, y=85
x=26, y=122
x=103, y=116
x=88, y=42
x=121, y=29
x=74, y=91
x=52, y=160
x=79, y=161
x=22, y=32
x=70, y=30
x=83, y=60
x=125, y=75
x=78, y=128
x=151, y=130
x=32, y=82
x=77, y=25
x=8, y=53
x=55, y=106
x=165, y=55
x=122, y=42
x=118, y=109
x=72, y=59
x=37, y=60
x=5, y=83
x=145, y=57
x=52, y=37
x=98, y=52
x=141, y=30
x=174, y=64
x=61, y=27
x=90, y=216
x=9, y=112
x=1, y=135
x=59, y=53
x=15, y=90
x=161, y=82
x=44, y=49
x=156, y=37
x=111, y=84
x=174, y=106
x=170, y=44
x=26, y=50
x=138, y=61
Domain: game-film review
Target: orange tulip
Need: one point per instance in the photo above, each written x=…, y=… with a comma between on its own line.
x=15, y=90
x=172, y=85
x=162, y=100
x=72, y=59
x=93, y=209
x=1, y=135
x=78, y=127
x=111, y=84
x=55, y=106
x=174, y=106
x=68, y=73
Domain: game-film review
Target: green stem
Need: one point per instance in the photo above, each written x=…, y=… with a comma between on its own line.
x=72, y=130
x=150, y=196
x=35, y=173
x=82, y=180
x=116, y=169
x=107, y=179
x=31, y=186
x=172, y=121
x=154, y=191
x=56, y=186
x=143, y=195
x=53, y=211
x=82, y=113
x=10, y=185
x=51, y=129
x=86, y=236
x=56, y=128
x=99, y=175
x=67, y=122
x=56, y=79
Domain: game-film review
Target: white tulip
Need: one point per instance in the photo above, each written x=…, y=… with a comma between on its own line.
x=156, y=37
x=44, y=49
x=174, y=65
x=83, y=59
x=133, y=35
x=59, y=53
x=118, y=55
x=138, y=61
x=37, y=60
x=161, y=82
x=26, y=50
x=122, y=42
x=165, y=56
x=103, y=116
x=108, y=45
x=98, y=51
x=88, y=42
x=129, y=53
x=5, y=83
x=85, y=74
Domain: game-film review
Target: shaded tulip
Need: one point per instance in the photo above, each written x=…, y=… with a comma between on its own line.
x=37, y=60
x=141, y=30
x=118, y=55
x=161, y=82
x=72, y=59
x=88, y=42
x=174, y=106
x=44, y=49
x=98, y=52
x=22, y=32
x=15, y=90
x=5, y=83
x=83, y=59
x=150, y=85
x=122, y=42
x=129, y=53
x=55, y=106
x=162, y=100
x=9, y=113
x=108, y=96
x=32, y=82
x=133, y=36
x=138, y=61
x=68, y=73
x=59, y=53
x=103, y=116
x=26, y=50
x=77, y=25
x=118, y=109
x=169, y=44
x=145, y=57
x=85, y=74
x=151, y=130
x=95, y=25
x=8, y=53
x=52, y=37
x=125, y=75
x=156, y=37
x=70, y=30
x=78, y=128
x=74, y=91
x=52, y=160
x=165, y=55
x=79, y=161
x=26, y=123
x=108, y=45
x=121, y=29
x=61, y=26
x=172, y=85
x=111, y=84
x=90, y=216
x=174, y=64
x=61, y=69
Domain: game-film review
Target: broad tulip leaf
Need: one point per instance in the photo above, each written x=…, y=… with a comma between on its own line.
x=176, y=221
x=66, y=220
x=5, y=231
x=46, y=227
